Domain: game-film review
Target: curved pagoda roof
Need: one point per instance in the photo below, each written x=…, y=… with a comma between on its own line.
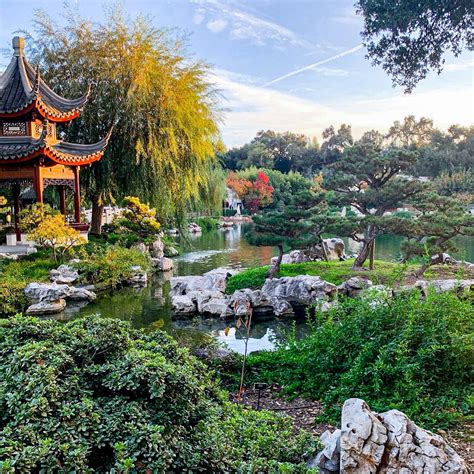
x=22, y=89
x=20, y=149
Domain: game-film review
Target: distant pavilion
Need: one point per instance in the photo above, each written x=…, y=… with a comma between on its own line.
x=31, y=155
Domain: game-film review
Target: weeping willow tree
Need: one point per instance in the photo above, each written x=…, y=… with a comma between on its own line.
x=144, y=84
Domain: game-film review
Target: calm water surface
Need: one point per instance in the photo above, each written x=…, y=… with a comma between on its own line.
x=150, y=307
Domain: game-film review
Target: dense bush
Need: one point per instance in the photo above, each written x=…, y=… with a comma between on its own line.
x=404, y=353
x=94, y=395
x=207, y=223
x=108, y=265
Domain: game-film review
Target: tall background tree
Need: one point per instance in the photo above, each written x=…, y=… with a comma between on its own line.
x=409, y=38
x=156, y=95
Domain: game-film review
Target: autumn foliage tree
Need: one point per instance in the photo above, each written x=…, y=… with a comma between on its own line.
x=55, y=233
x=254, y=194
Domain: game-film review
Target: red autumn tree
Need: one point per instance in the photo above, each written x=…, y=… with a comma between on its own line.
x=254, y=194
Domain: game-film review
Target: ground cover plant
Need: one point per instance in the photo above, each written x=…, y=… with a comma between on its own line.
x=405, y=353
x=94, y=395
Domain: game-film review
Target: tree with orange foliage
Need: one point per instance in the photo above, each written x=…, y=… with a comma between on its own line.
x=254, y=194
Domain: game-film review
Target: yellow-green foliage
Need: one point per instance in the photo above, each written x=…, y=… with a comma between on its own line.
x=55, y=233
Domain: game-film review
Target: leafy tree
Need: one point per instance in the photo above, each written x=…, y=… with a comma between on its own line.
x=431, y=234
x=411, y=38
x=254, y=194
x=297, y=221
x=32, y=216
x=137, y=218
x=369, y=178
x=156, y=95
x=457, y=182
x=411, y=132
x=335, y=142
x=55, y=233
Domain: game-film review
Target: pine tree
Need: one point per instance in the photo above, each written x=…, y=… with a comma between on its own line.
x=369, y=178
x=297, y=220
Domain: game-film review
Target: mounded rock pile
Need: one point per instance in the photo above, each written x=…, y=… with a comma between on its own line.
x=386, y=443
x=50, y=298
x=156, y=251
x=206, y=295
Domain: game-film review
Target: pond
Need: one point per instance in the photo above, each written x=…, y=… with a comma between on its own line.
x=150, y=307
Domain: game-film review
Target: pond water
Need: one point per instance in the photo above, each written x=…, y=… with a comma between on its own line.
x=150, y=307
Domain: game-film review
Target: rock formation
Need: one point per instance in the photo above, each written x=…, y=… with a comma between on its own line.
x=386, y=443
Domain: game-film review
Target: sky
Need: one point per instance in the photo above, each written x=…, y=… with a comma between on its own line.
x=294, y=65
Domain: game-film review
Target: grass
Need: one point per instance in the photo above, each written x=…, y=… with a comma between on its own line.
x=387, y=273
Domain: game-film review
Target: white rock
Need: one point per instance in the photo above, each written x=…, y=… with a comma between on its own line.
x=328, y=459
x=182, y=304
x=64, y=274
x=363, y=438
x=299, y=290
x=281, y=307
x=445, y=285
x=156, y=248
x=411, y=448
x=139, y=277
x=185, y=284
x=40, y=292
x=81, y=294
x=165, y=264
x=46, y=307
x=217, y=307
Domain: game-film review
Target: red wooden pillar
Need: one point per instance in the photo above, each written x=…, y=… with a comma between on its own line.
x=16, y=210
x=38, y=184
x=62, y=199
x=77, y=196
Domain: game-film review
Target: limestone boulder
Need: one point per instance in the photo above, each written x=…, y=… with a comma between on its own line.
x=328, y=459
x=363, y=438
x=354, y=287
x=156, y=248
x=182, y=304
x=64, y=274
x=387, y=443
x=163, y=264
x=281, y=307
x=410, y=448
x=299, y=290
x=441, y=286
x=81, y=294
x=185, y=284
x=217, y=307
x=41, y=292
x=46, y=307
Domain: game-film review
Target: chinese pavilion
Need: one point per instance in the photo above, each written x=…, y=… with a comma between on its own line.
x=31, y=154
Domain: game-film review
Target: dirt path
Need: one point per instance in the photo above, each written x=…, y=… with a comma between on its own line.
x=303, y=412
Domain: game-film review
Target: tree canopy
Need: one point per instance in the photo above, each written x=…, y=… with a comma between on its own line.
x=408, y=39
x=163, y=108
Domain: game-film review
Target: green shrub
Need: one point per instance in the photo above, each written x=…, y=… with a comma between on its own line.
x=93, y=395
x=109, y=265
x=404, y=353
x=230, y=212
x=207, y=223
x=15, y=275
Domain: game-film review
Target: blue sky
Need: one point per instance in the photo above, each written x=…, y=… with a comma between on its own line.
x=284, y=64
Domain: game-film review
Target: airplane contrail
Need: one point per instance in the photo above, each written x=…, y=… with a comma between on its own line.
x=311, y=66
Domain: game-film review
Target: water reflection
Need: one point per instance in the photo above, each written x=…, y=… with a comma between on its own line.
x=150, y=307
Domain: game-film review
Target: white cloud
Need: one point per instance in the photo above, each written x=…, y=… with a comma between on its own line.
x=216, y=26
x=461, y=66
x=250, y=108
x=244, y=25
x=348, y=16
x=199, y=16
